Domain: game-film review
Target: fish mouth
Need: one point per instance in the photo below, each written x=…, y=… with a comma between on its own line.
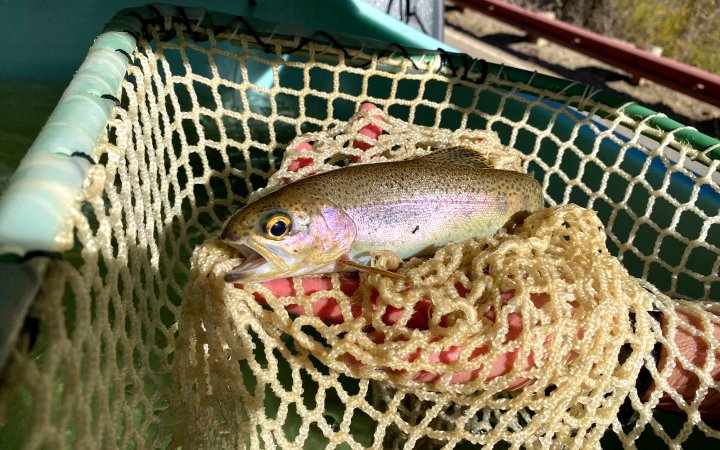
x=253, y=261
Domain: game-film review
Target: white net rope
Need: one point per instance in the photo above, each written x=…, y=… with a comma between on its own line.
x=534, y=337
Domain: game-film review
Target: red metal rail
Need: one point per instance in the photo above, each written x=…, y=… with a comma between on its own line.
x=689, y=80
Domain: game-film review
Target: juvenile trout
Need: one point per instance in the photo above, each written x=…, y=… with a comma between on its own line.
x=336, y=220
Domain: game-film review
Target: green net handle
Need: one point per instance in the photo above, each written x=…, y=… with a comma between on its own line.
x=34, y=209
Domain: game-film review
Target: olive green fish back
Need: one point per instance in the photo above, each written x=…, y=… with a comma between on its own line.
x=462, y=156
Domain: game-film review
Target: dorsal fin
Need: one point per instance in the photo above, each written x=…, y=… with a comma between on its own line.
x=459, y=156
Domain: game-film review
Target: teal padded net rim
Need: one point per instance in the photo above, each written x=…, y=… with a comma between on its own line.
x=178, y=115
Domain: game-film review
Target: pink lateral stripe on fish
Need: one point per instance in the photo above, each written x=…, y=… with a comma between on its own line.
x=336, y=220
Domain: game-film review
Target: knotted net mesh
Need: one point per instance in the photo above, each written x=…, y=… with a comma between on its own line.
x=544, y=335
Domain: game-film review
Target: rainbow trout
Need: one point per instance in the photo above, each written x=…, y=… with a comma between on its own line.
x=336, y=220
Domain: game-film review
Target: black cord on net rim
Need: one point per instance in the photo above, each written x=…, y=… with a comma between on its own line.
x=164, y=32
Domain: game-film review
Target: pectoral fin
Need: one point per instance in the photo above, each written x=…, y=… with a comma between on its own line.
x=364, y=268
x=460, y=155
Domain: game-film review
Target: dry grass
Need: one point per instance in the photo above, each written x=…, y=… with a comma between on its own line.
x=686, y=29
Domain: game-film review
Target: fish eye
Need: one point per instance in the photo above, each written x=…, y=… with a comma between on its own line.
x=277, y=226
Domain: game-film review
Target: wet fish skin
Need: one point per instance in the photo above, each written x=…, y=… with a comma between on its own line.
x=409, y=207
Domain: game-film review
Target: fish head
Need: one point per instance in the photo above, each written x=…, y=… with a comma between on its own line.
x=281, y=238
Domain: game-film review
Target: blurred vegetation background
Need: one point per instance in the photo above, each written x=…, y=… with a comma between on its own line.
x=687, y=30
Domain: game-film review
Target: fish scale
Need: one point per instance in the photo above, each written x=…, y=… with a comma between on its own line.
x=448, y=203
x=408, y=207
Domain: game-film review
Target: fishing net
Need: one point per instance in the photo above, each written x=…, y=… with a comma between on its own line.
x=570, y=329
